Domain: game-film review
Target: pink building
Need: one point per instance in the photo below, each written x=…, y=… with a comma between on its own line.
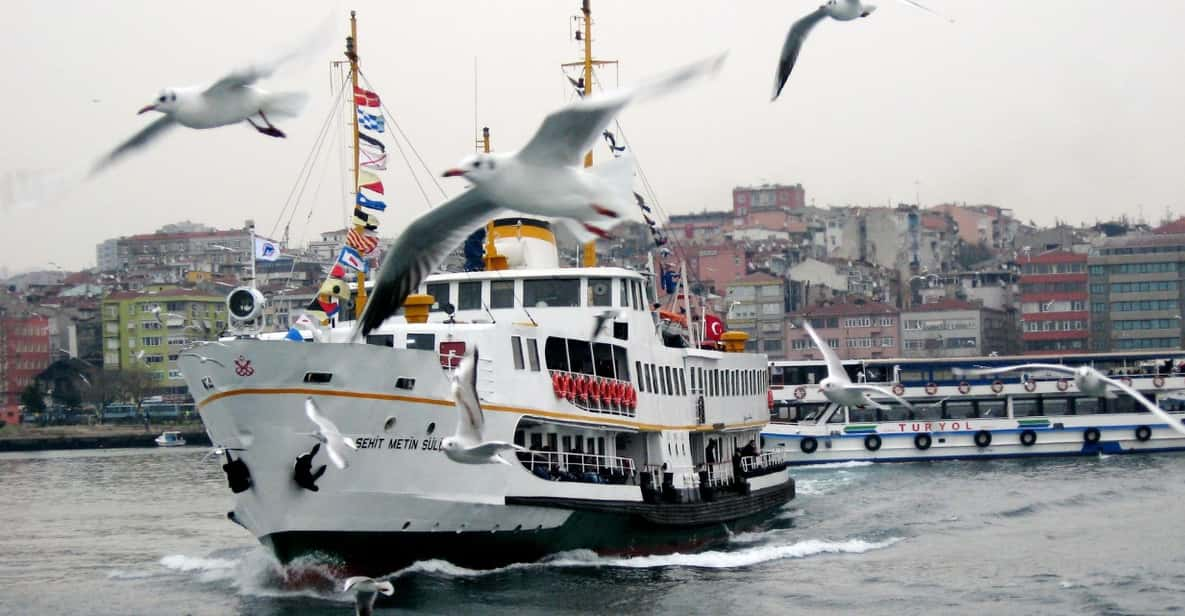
x=717, y=265
x=859, y=330
x=746, y=198
x=24, y=354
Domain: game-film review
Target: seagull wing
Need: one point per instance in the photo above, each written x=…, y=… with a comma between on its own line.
x=422, y=247
x=918, y=5
x=834, y=366
x=471, y=419
x=310, y=48
x=140, y=139
x=794, y=40
x=882, y=391
x=566, y=135
x=333, y=437
x=1160, y=413
x=973, y=372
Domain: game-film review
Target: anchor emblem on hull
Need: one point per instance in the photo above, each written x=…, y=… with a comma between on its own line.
x=243, y=367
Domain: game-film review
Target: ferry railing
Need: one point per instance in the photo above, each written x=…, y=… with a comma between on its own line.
x=576, y=466
x=720, y=474
x=597, y=404
x=763, y=462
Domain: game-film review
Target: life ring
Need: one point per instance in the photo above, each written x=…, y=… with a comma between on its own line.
x=964, y=387
x=983, y=438
x=922, y=441
x=1091, y=435
x=808, y=445
x=799, y=392
x=769, y=399
x=872, y=442
x=1063, y=384
x=898, y=388
x=1143, y=433
x=931, y=388
x=1030, y=386
x=1158, y=381
x=997, y=386
x=1027, y=438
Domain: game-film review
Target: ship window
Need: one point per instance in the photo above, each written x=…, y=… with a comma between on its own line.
x=693, y=370
x=862, y=415
x=551, y=292
x=439, y=292
x=567, y=441
x=1088, y=406
x=555, y=353
x=624, y=285
x=551, y=441
x=502, y=294
x=603, y=359
x=469, y=296
x=927, y=411
x=667, y=372
x=962, y=409
x=895, y=413
x=682, y=383
x=318, y=377
x=516, y=351
x=519, y=439
x=638, y=375
x=421, y=341
x=386, y=340
x=992, y=408
x=404, y=382
x=1055, y=406
x=580, y=357
x=622, y=362
x=600, y=291
x=536, y=441
x=637, y=288
x=1124, y=404
x=654, y=385
x=1025, y=407
x=621, y=331
x=533, y=354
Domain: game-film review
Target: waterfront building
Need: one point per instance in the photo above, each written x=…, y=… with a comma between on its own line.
x=133, y=336
x=1053, y=302
x=24, y=353
x=1136, y=285
x=756, y=306
x=857, y=330
x=956, y=328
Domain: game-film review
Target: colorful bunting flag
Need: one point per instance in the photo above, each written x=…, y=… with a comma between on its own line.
x=363, y=241
x=350, y=258
x=363, y=219
x=373, y=122
x=372, y=142
x=370, y=204
x=337, y=271
x=365, y=98
x=370, y=182
x=371, y=159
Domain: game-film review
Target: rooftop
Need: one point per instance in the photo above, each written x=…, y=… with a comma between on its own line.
x=947, y=304
x=852, y=309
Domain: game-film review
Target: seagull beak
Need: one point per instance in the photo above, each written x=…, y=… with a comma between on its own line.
x=148, y=108
x=452, y=173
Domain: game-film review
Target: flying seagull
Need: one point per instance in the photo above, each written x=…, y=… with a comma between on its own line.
x=1089, y=381
x=839, y=10
x=365, y=591
x=466, y=445
x=840, y=389
x=328, y=434
x=544, y=178
x=230, y=100
x=599, y=323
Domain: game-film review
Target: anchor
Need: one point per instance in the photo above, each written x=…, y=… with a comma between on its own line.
x=303, y=473
x=237, y=475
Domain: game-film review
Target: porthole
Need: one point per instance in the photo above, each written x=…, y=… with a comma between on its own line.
x=431, y=427
x=405, y=525
x=389, y=424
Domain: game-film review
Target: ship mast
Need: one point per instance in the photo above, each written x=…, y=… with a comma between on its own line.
x=352, y=56
x=589, y=253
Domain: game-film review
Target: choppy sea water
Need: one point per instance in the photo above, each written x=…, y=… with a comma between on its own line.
x=144, y=532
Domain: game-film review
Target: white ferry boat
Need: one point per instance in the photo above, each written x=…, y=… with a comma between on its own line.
x=636, y=442
x=170, y=439
x=1035, y=414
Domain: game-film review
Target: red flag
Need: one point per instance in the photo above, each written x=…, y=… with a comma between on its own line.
x=365, y=98
x=713, y=327
x=337, y=271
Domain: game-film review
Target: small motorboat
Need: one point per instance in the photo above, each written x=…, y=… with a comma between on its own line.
x=170, y=439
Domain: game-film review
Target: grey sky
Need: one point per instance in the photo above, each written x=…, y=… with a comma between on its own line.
x=1054, y=108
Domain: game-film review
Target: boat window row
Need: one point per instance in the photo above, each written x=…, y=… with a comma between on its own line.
x=714, y=383
x=538, y=293
x=994, y=408
x=660, y=380
x=580, y=356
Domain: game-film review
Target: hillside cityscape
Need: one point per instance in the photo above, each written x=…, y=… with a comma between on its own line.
x=951, y=280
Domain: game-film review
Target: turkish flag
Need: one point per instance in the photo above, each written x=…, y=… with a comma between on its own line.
x=713, y=327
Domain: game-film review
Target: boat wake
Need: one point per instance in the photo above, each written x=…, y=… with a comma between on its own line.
x=831, y=465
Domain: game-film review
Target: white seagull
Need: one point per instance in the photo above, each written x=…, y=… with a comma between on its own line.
x=466, y=445
x=839, y=10
x=601, y=319
x=544, y=178
x=840, y=389
x=365, y=591
x=328, y=433
x=1089, y=381
x=232, y=99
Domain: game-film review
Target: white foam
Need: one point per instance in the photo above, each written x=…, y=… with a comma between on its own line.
x=183, y=563
x=848, y=464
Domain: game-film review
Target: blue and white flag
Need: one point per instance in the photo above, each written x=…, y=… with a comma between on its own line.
x=350, y=258
x=370, y=204
x=372, y=122
x=266, y=250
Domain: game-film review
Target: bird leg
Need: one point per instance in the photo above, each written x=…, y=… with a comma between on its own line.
x=269, y=130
